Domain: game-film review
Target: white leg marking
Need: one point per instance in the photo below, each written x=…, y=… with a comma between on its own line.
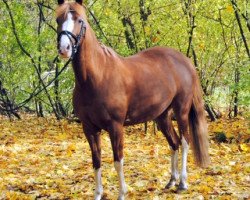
x=183, y=184
x=174, y=169
x=98, y=184
x=122, y=184
x=174, y=165
x=68, y=25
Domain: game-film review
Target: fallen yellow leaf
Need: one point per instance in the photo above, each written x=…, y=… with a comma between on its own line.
x=244, y=147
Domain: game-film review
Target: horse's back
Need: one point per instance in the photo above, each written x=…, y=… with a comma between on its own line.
x=167, y=57
x=165, y=64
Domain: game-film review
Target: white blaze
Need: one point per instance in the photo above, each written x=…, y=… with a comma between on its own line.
x=68, y=25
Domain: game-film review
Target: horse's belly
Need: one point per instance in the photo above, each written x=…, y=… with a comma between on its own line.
x=145, y=113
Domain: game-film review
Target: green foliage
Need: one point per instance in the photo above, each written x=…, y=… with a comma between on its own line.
x=216, y=44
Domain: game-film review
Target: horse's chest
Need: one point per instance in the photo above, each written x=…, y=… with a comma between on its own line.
x=90, y=108
x=85, y=102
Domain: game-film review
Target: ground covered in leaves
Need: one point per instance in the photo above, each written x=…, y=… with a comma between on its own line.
x=48, y=159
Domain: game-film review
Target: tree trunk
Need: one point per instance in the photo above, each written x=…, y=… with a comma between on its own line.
x=236, y=92
x=237, y=16
x=130, y=37
x=39, y=103
x=144, y=18
x=59, y=107
x=7, y=104
x=210, y=112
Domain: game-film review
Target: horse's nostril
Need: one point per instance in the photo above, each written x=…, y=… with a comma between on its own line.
x=68, y=47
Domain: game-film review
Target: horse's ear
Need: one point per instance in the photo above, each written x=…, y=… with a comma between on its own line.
x=79, y=1
x=60, y=2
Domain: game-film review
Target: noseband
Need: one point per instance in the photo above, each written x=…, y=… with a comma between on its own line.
x=77, y=38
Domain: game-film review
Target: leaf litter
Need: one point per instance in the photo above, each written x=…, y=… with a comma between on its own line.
x=42, y=158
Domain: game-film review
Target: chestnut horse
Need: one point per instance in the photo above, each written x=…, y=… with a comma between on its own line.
x=112, y=91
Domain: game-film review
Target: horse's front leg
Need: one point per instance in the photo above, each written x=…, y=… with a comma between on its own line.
x=94, y=140
x=117, y=140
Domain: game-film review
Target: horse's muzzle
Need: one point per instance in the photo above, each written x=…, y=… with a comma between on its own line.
x=65, y=51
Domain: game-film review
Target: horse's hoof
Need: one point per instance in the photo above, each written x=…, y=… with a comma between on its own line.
x=170, y=185
x=182, y=188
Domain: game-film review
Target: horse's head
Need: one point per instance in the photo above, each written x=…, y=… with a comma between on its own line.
x=71, y=20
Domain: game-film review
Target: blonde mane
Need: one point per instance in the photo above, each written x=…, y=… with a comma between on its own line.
x=67, y=7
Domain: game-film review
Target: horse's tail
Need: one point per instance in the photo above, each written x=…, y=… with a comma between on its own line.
x=198, y=128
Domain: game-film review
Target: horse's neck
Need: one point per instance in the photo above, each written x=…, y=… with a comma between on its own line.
x=89, y=60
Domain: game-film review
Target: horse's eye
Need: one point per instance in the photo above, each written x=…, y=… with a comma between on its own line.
x=80, y=21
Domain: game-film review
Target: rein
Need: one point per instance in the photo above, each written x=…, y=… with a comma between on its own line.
x=77, y=38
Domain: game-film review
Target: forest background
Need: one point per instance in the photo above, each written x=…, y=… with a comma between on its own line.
x=214, y=34
x=36, y=90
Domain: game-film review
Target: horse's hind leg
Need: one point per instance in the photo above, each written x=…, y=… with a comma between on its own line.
x=181, y=110
x=165, y=124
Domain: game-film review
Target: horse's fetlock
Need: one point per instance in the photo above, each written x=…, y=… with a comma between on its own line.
x=98, y=196
x=98, y=193
x=121, y=197
x=170, y=184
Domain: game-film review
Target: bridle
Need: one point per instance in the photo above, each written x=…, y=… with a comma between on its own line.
x=77, y=38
